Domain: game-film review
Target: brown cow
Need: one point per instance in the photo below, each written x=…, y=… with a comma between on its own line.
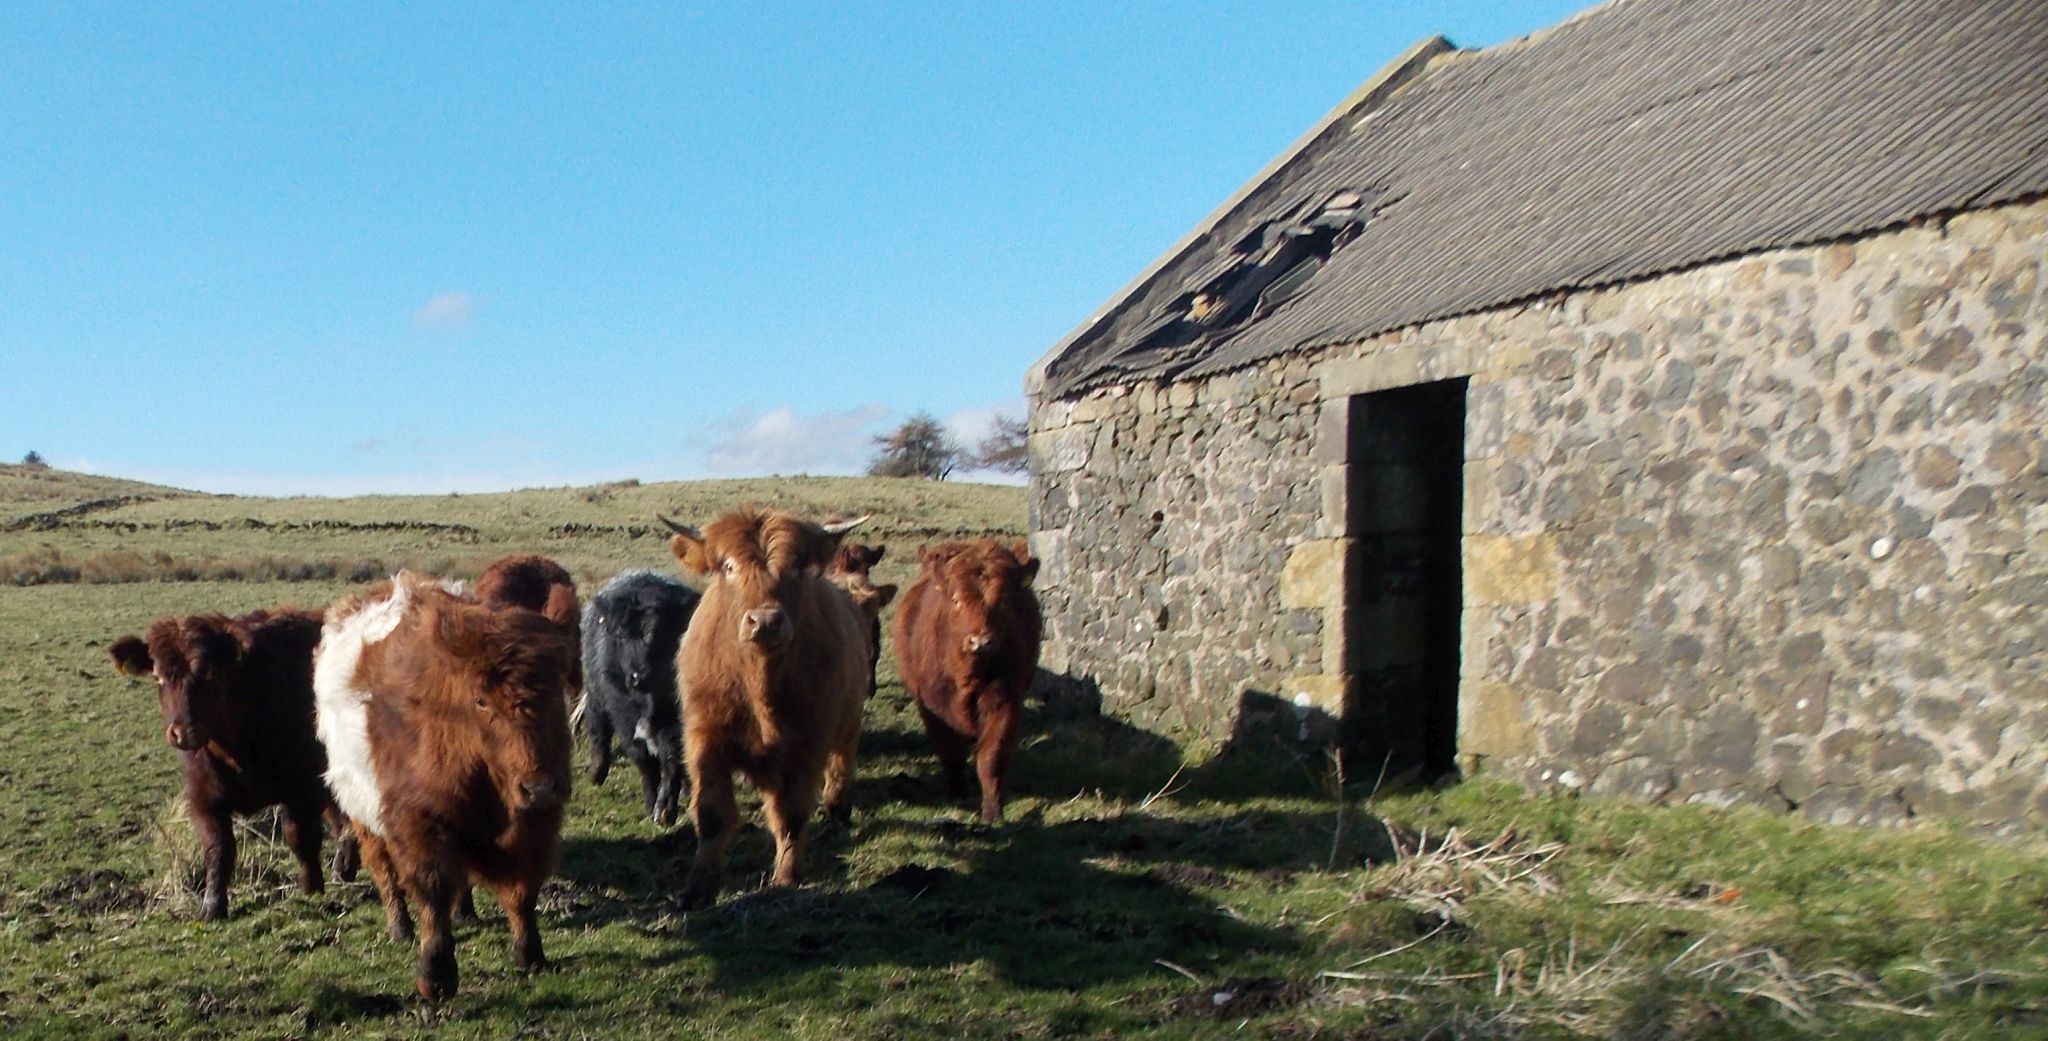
x=849, y=571
x=448, y=743
x=772, y=684
x=967, y=645
x=540, y=585
x=237, y=702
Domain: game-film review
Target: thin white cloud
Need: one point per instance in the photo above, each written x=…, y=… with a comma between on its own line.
x=444, y=311
x=782, y=441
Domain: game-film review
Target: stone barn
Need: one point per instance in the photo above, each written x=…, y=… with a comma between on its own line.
x=1651, y=406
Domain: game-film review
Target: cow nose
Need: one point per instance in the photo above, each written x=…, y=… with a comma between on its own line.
x=184, y=736
x=541, y=792
x=980, y=643
x=764, y=625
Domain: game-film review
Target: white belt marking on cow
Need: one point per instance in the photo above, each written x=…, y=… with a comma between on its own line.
x=341, y=706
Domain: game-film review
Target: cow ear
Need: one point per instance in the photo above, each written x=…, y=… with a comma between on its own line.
x=561, y=606
x=1028, y=571
x=690, y=550
x=131, y=656
x=688, y=545
x=875, y=555
x=884, y=594
x=830, y=535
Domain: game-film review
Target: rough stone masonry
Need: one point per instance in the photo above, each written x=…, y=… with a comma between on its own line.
x=1772, y=530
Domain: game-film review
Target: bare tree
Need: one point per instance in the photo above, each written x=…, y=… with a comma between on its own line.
x=919, y=448
x=1003, y=450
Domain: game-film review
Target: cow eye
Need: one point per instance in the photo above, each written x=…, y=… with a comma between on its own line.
x=731, y=566
x=483, y=703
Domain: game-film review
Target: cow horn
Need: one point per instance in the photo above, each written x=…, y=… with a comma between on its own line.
x=842, y=527
x=679, y=528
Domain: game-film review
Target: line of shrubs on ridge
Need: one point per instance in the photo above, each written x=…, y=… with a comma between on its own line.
x=50, y=566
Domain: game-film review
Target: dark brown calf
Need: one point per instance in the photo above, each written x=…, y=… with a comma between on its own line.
x=967, y=643
x=448, y=740
x=773, y=678
x=237, y=702
x=849, y=571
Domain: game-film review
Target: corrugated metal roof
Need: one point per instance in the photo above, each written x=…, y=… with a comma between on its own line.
x=1637, y=138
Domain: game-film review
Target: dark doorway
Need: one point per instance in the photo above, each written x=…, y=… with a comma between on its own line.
x=1406, y=498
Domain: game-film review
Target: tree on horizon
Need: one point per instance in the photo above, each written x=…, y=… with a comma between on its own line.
x=918, y=448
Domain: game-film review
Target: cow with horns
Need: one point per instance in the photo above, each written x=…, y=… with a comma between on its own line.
x=774, y=673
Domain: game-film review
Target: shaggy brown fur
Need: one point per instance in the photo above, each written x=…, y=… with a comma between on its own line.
x=469, y=733
x=237, y=702
x=541, y=585
x=772, y=684
x=967, y=645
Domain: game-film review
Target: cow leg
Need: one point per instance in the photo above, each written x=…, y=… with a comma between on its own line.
x=600, y=733
x=650, y=774
x=716, y=814
x=788, y=807
x=302, y=834
x=435, y=894
x=839, y=775
x=951, y=748
x=992, y=756
x=465, y=907
x=347, y=850
x=669, y=757
x=377, y=858
x=521, y=900
x=217, y=850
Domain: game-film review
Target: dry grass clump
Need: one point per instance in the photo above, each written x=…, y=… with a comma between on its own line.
x=265, y=869
x=47, y=565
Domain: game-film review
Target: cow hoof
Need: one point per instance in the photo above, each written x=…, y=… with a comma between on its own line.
x=213, y=910
x=431, y=990
x=698, y=897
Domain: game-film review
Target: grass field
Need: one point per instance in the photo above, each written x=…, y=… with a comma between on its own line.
x=1138, y=889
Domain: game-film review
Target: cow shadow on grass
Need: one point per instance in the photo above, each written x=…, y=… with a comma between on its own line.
x=1044, y=905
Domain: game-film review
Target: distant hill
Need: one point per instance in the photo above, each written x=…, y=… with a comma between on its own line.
x=33, y=488
x=57, y=526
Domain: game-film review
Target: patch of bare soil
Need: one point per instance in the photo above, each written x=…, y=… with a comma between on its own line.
x=101, y=891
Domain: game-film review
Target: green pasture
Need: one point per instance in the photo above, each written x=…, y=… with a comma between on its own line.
x=1139, y=888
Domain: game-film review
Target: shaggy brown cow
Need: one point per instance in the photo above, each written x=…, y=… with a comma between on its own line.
x=967, y=644
x=772, y=684
x=541, y=585
x=849, y=571
x=237, y=702
x=448, y=743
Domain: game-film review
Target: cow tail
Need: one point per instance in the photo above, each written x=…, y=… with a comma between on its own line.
x=576, y=714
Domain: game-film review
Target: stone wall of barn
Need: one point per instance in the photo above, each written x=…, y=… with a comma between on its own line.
x=1770, y=531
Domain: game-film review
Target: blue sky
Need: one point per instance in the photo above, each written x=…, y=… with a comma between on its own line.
x=332, y=249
